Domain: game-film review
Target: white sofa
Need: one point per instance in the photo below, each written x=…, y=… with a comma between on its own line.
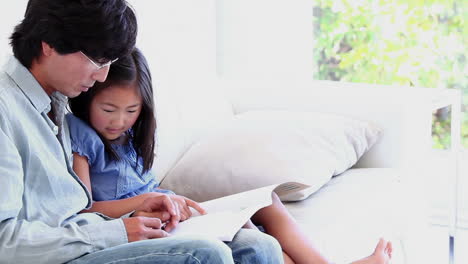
x=375, y=198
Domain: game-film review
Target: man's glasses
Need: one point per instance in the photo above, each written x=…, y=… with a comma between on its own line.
x=97, y=64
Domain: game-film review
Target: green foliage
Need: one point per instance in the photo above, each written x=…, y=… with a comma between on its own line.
x=420, y=43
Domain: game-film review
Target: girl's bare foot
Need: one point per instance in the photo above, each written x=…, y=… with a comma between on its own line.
x=382, y=254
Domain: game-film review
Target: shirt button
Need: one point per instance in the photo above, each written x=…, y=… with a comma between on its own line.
x=55, y=130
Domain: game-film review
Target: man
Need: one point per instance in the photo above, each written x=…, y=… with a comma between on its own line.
x=61, y=48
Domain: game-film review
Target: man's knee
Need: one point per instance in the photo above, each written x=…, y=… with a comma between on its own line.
x=266, y=246
x=252, y=246
x=210, y=250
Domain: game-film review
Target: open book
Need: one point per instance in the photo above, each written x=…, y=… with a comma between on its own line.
x=226, y=215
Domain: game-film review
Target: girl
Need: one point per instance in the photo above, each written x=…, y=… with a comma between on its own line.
x=112, y=133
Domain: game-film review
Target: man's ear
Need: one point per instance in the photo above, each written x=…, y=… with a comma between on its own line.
x=47, y=50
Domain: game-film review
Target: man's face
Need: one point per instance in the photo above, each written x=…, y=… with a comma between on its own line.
x=69, y=74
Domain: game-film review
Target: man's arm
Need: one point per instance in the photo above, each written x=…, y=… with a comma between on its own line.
x=26, y=238
x=34, y=230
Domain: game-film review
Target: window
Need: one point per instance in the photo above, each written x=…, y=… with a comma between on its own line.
x=403, y=42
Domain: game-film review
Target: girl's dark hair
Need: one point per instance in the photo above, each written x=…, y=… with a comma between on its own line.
x=132, y=69
x=102, y=29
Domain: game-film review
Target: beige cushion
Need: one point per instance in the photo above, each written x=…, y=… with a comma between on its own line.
x=260, y=148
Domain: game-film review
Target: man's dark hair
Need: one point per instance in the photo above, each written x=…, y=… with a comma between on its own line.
x=102, y=29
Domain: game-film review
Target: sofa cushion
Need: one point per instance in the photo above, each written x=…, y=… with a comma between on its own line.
x=260, y=148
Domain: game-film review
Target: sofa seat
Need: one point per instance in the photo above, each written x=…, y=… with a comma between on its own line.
x=348, y=214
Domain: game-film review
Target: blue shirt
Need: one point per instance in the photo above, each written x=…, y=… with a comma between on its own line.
x=110, y=179
x=40, y=195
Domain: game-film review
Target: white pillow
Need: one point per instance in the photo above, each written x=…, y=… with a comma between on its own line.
x=260, y=148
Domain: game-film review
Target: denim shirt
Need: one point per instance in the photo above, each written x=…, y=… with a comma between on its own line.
x=111, y=179
x=40, y=194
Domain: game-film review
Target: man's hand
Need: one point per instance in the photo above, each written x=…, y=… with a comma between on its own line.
x=142, y=228
x=160, y=206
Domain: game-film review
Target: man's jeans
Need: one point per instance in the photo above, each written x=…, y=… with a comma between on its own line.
x=248, y=246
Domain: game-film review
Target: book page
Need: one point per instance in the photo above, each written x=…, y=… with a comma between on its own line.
x=226, y=215
x=240, y=201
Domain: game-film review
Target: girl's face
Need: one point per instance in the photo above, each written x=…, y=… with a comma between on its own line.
x=114, y=110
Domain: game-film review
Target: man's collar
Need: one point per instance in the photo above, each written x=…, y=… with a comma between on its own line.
x=28, y=84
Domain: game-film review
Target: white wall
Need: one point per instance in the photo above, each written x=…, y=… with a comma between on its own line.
x=265, y=40
x=179, y=39
x=180, y=34
x=11, y=14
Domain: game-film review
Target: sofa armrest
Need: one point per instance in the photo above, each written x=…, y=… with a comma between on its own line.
x=404, y=113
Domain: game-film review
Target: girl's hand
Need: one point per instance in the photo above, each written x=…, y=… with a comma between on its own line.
x=180, y=204
x=162, y=207
x=184, y=205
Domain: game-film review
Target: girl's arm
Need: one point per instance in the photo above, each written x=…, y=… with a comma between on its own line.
x=81, y=168
x=115, y=208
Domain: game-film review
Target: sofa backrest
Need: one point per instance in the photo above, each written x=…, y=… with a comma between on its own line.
x=403, y=113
